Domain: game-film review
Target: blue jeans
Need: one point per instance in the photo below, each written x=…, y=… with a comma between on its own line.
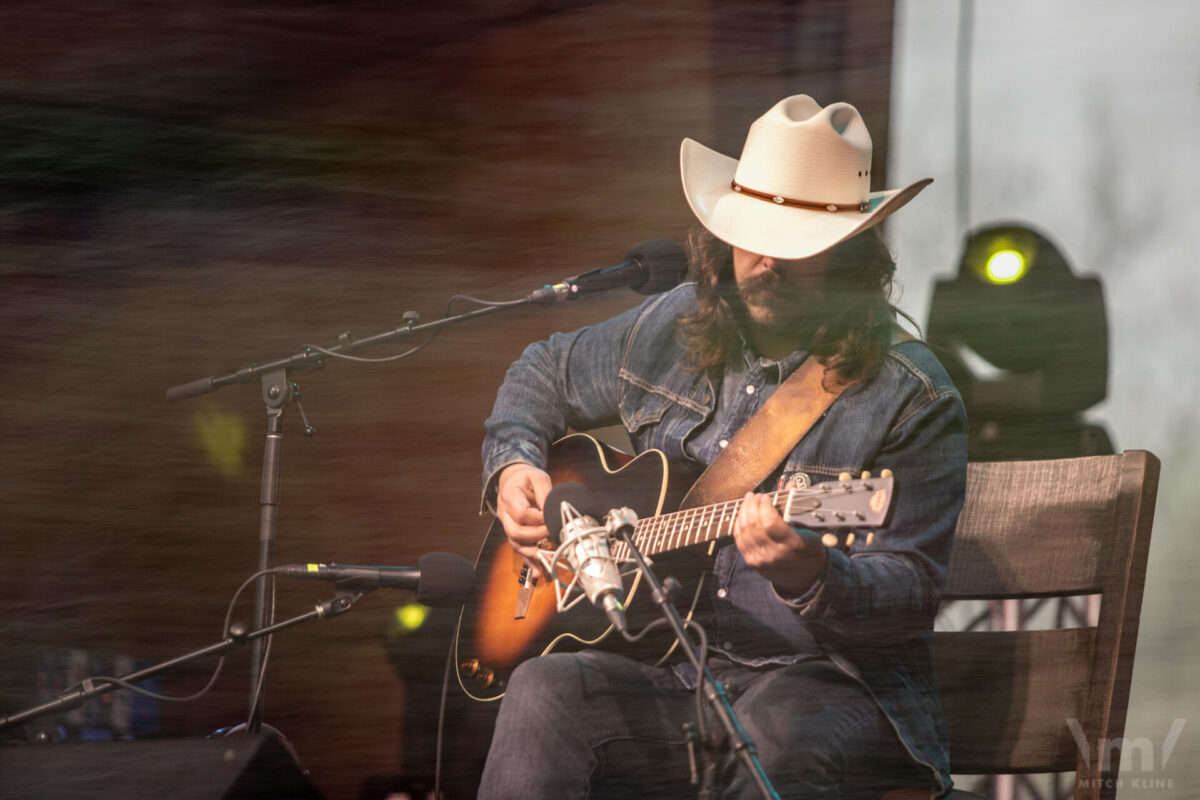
x=598, y=725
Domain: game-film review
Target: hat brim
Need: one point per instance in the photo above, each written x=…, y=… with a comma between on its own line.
x=762, y=227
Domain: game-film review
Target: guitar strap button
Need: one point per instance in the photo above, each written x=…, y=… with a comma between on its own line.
x=799, y=480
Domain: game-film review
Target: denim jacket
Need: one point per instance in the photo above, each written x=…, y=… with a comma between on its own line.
x=872, y=610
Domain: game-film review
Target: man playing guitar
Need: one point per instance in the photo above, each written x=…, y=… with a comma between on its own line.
x=825, y=650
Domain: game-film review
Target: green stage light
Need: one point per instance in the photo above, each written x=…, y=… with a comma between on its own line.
x=1002, y=256
x=1005, y=266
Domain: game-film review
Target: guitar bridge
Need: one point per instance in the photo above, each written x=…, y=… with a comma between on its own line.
x=526, y=584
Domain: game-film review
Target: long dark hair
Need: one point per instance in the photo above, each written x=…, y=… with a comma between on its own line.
x=851, y=343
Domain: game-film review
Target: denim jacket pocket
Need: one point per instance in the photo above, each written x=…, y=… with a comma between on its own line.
x=640, y=406
x=658, y=417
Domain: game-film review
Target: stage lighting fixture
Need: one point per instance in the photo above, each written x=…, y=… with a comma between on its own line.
x=1026, y=341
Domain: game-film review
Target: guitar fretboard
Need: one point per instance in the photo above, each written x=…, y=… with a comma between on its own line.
x=845, y=504
x=691, y=526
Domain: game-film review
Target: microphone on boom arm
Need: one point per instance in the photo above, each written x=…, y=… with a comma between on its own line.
x=439, y=579
x=649, y=268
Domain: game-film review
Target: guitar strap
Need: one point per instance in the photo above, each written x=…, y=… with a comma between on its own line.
x=769, y=435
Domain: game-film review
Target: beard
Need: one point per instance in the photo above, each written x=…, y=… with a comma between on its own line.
x=766, y=301
x=760, y=290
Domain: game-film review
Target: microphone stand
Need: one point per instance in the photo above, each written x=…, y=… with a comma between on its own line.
x=649, y=267
x=714, y=691
x=340, y=603
x=278, y=391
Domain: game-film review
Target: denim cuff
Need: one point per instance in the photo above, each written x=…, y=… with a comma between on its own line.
x=837, y=567
x=517, y=453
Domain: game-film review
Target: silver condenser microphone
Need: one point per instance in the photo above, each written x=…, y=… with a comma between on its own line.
x=584, y=544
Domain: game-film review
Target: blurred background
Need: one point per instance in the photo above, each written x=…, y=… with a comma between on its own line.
x=188, y=188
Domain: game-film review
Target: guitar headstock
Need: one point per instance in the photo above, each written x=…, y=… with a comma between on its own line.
x=836, y=505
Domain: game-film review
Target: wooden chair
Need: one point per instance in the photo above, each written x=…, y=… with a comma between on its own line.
x=1021, y=701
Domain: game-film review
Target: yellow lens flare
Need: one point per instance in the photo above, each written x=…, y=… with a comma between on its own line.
x=411, y=616
x=1005, y=266
x=223, y=439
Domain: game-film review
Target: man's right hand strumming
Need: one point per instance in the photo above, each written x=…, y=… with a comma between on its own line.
x=520, y=498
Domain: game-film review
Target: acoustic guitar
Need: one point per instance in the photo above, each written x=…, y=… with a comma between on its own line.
x=512, y=617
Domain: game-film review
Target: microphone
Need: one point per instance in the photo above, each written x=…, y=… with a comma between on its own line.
x=440, y=579
x=586, y=548
x=650, y=267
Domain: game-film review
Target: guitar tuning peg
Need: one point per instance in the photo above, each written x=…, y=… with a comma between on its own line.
x=887, y=473
x=829, y=539
x=866, y=476
x=845, y=476
x=849, y=538
x=870, y=538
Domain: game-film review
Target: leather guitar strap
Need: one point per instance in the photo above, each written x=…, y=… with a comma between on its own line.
x=769, y=435
x=765, y=440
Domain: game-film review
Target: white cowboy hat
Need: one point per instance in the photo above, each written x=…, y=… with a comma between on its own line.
x=803, y=183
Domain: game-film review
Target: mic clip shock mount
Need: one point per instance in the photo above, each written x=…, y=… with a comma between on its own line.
x=568, y=594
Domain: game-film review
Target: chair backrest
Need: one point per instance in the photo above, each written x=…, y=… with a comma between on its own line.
x=1044, y=700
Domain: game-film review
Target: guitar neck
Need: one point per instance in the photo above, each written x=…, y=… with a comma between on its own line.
x=843, y=504
x=688, y=527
